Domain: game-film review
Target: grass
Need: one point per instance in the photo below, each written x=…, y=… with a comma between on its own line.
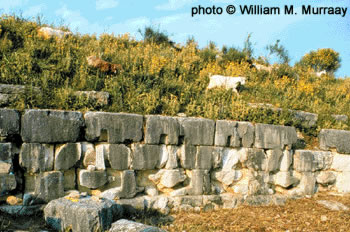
x=160, y=77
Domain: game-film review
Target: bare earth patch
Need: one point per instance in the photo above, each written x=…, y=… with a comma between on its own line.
x=296, y=215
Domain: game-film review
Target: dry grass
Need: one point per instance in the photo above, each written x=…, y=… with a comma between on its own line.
x=296, y=215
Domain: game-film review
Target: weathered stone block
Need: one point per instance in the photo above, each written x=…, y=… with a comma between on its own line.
x=200, y=182
x=343, y=182
x=197, y=131
x=86, y=214
x=188, y=156
x=161, y=130
x=9, y=122
x=126, y=190
x=7, y=183
x=5, y=167
x=67, y=155
x=168, y=178
x=100, y=98
x=29, y=182
x=273, y=160
x=338, y=139
x=286, y=161
x=169, y=157
x=36, y=157
x=227, y=177
x=51, y=126
x=145, y=156
x=285, y=179
x=234, y=134
x=326, y=178
x=254, y=159
x=69, y=178
x=6, y=152
x=307, y=119
x=118, y=155
x=89, y=154
x=306, y=161
x=273, y=136
x=204, y=157
x=307, y=184
x=341, y=163
x=124, y=225
x=49, y=186
x=113, y=127
x=231, y=157
x=92, y=179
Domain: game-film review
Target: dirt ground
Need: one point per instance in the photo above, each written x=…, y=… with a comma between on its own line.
x=296, y=215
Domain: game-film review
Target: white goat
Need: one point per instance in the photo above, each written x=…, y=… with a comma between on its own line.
x=226, y=82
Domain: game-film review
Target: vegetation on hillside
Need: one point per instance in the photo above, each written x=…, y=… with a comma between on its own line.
x=161, y=77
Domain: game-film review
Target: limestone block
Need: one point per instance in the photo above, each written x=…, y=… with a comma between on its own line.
x=254, y=159
x=338, y=139
x=144, y=156
x=6, y=152
x=92, y=179
x=199, y=182
x=131, y=226
x=51, y=126
x=333, y=205
x=307, y=184
x=113, y=127
x=325, y=178
x=341, y=163
x=285, y=179
x=69, y=178
x=226, y=177
x=9, y=122
x=7, y=183
x=168, y=178
x=126, y=190
x=100, y=98
x=286, y=161
x=343, y=182
x=114, y=179
x=49, y=186
x=231, y=157
x=306, y=161
x=197, y=131
x=234, y=134
x=161, y=130
x=173, y=154
x=204, y=157
x=29, y=182
x=83, y=215
x=273, y=160
x=88, y=154
x=188, y=156
x=226, y=134
x=142, y=177
x=5, y=167
x=118, y=155
x=340, y=117
x=67, y=155
x=36, y=157
x=307, y=119
x=274, y=136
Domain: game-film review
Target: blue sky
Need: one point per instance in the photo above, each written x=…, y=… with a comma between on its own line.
x=298, y=33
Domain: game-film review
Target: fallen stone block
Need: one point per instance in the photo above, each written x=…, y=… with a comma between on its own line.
x=84, y=214
x=49, y=186
x=338, y=139
x=144, y=156
x=333, y=205
x=36, y=157
x=22, y=210
x=197, y=131
x=92, y=179
x=51, y=126
x=161, y=130
x=274, y=136
x=100, y=98
x=9, y=122
x=113, y=127
x=67, y=155
x=124, y=225
x=340, y=117
x=306, y=119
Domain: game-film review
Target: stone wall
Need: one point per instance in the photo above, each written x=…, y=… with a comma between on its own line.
x=164, y=163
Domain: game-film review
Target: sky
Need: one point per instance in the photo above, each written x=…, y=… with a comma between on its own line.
x=298, y=33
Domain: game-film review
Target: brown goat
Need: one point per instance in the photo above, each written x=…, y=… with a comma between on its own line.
x=102, y=65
